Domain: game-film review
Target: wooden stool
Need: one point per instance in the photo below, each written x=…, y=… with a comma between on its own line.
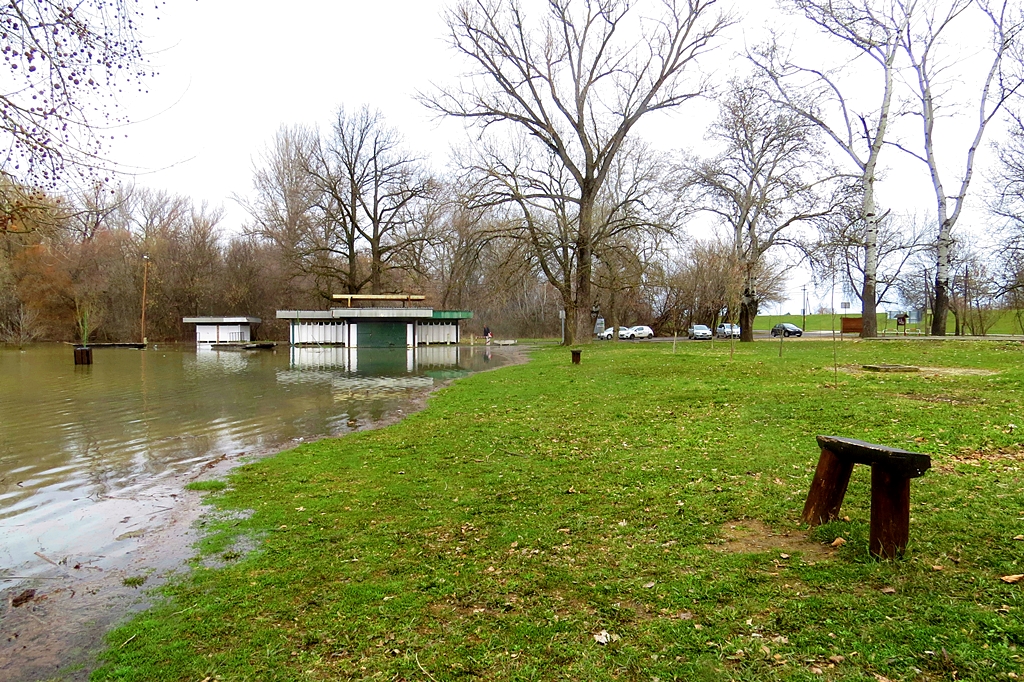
x=891, y=471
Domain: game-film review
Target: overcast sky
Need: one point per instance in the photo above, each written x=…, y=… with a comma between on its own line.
x=232, y=73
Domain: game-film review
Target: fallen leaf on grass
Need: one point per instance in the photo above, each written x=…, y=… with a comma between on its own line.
x=784, y=556
x=604, y=637
x=881, y=678
x=937, y=568
x=1019, y=537
x=1011, y=579
x=24, y=597
x=837, y=659
x=838, y=542
x=816, y=670
x=648, y=586
x=888, y=590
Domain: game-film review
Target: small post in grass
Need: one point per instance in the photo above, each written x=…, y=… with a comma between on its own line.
x=576, y=353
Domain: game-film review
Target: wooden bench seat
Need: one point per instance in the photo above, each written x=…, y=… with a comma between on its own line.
x=891, y=471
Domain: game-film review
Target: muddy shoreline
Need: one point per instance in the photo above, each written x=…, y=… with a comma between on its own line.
x=58, y=632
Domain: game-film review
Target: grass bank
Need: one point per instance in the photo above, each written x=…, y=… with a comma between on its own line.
x=647, y=499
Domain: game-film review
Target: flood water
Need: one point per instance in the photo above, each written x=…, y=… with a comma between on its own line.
x=91, y=456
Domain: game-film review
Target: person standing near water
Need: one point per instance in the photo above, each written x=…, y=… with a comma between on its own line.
x=487, y=335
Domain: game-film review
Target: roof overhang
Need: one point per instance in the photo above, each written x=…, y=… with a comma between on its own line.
x=452, y=314
x=221, y=320
x=357, y=314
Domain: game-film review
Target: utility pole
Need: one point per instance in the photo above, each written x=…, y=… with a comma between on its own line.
x=145, y=281
x=803, y=307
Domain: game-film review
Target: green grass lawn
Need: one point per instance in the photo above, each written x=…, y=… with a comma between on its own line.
x=528, y=509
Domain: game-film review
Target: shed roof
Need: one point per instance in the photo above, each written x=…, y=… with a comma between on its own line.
x=374, y=314
x=356, y=313
x=453, y=314
x=221, y=320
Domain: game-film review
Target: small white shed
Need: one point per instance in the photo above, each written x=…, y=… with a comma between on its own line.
x=222, y=329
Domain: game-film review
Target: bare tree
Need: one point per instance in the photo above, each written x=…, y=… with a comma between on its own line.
x=285, y=213
x=195, y=263
x=575, y=85
x=702, y=284
x=458, y=240
x=924, y=41
x=374, y=184
x=839, y=252
x=66, y=63
x=868, y=28
x=622, y=269
x=770, y=178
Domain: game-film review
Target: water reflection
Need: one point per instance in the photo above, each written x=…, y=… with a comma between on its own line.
x=72, y=439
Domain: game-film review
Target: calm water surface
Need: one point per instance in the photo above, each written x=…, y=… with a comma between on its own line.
x=78, y=444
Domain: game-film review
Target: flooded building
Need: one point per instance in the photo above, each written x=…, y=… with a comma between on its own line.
x=375, y=321
x=214, y=330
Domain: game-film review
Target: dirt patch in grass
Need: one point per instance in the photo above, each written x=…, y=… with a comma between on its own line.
x=754, y=537
x=1013, y=453
x=927, y=371
x=944, y=399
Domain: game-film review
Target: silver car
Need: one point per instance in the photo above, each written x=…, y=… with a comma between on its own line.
x=700, y=332
x=726, y=331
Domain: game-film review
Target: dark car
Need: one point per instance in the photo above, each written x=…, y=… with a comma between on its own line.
x=787, y=329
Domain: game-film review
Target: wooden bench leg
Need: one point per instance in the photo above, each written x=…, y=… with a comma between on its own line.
x=827, y=489
x=890, y=513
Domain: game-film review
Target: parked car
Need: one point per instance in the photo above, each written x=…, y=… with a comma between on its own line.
x=623, y=333
x=787, y=329
x=726, y=331
x=699, y=332
x=640, y=331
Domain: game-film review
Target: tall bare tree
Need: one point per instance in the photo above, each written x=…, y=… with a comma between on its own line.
x=937, y=88
x=867, y=28
x=1007, y=207
x=575, y=84
x=375, y=184
x=770, y=178
x=291, y=210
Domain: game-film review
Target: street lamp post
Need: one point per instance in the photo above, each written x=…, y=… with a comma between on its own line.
x=145, y=281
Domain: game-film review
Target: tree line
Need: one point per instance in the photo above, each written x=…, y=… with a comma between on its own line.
x=557, y=203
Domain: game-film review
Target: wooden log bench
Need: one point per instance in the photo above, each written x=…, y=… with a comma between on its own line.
x=891, y=471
